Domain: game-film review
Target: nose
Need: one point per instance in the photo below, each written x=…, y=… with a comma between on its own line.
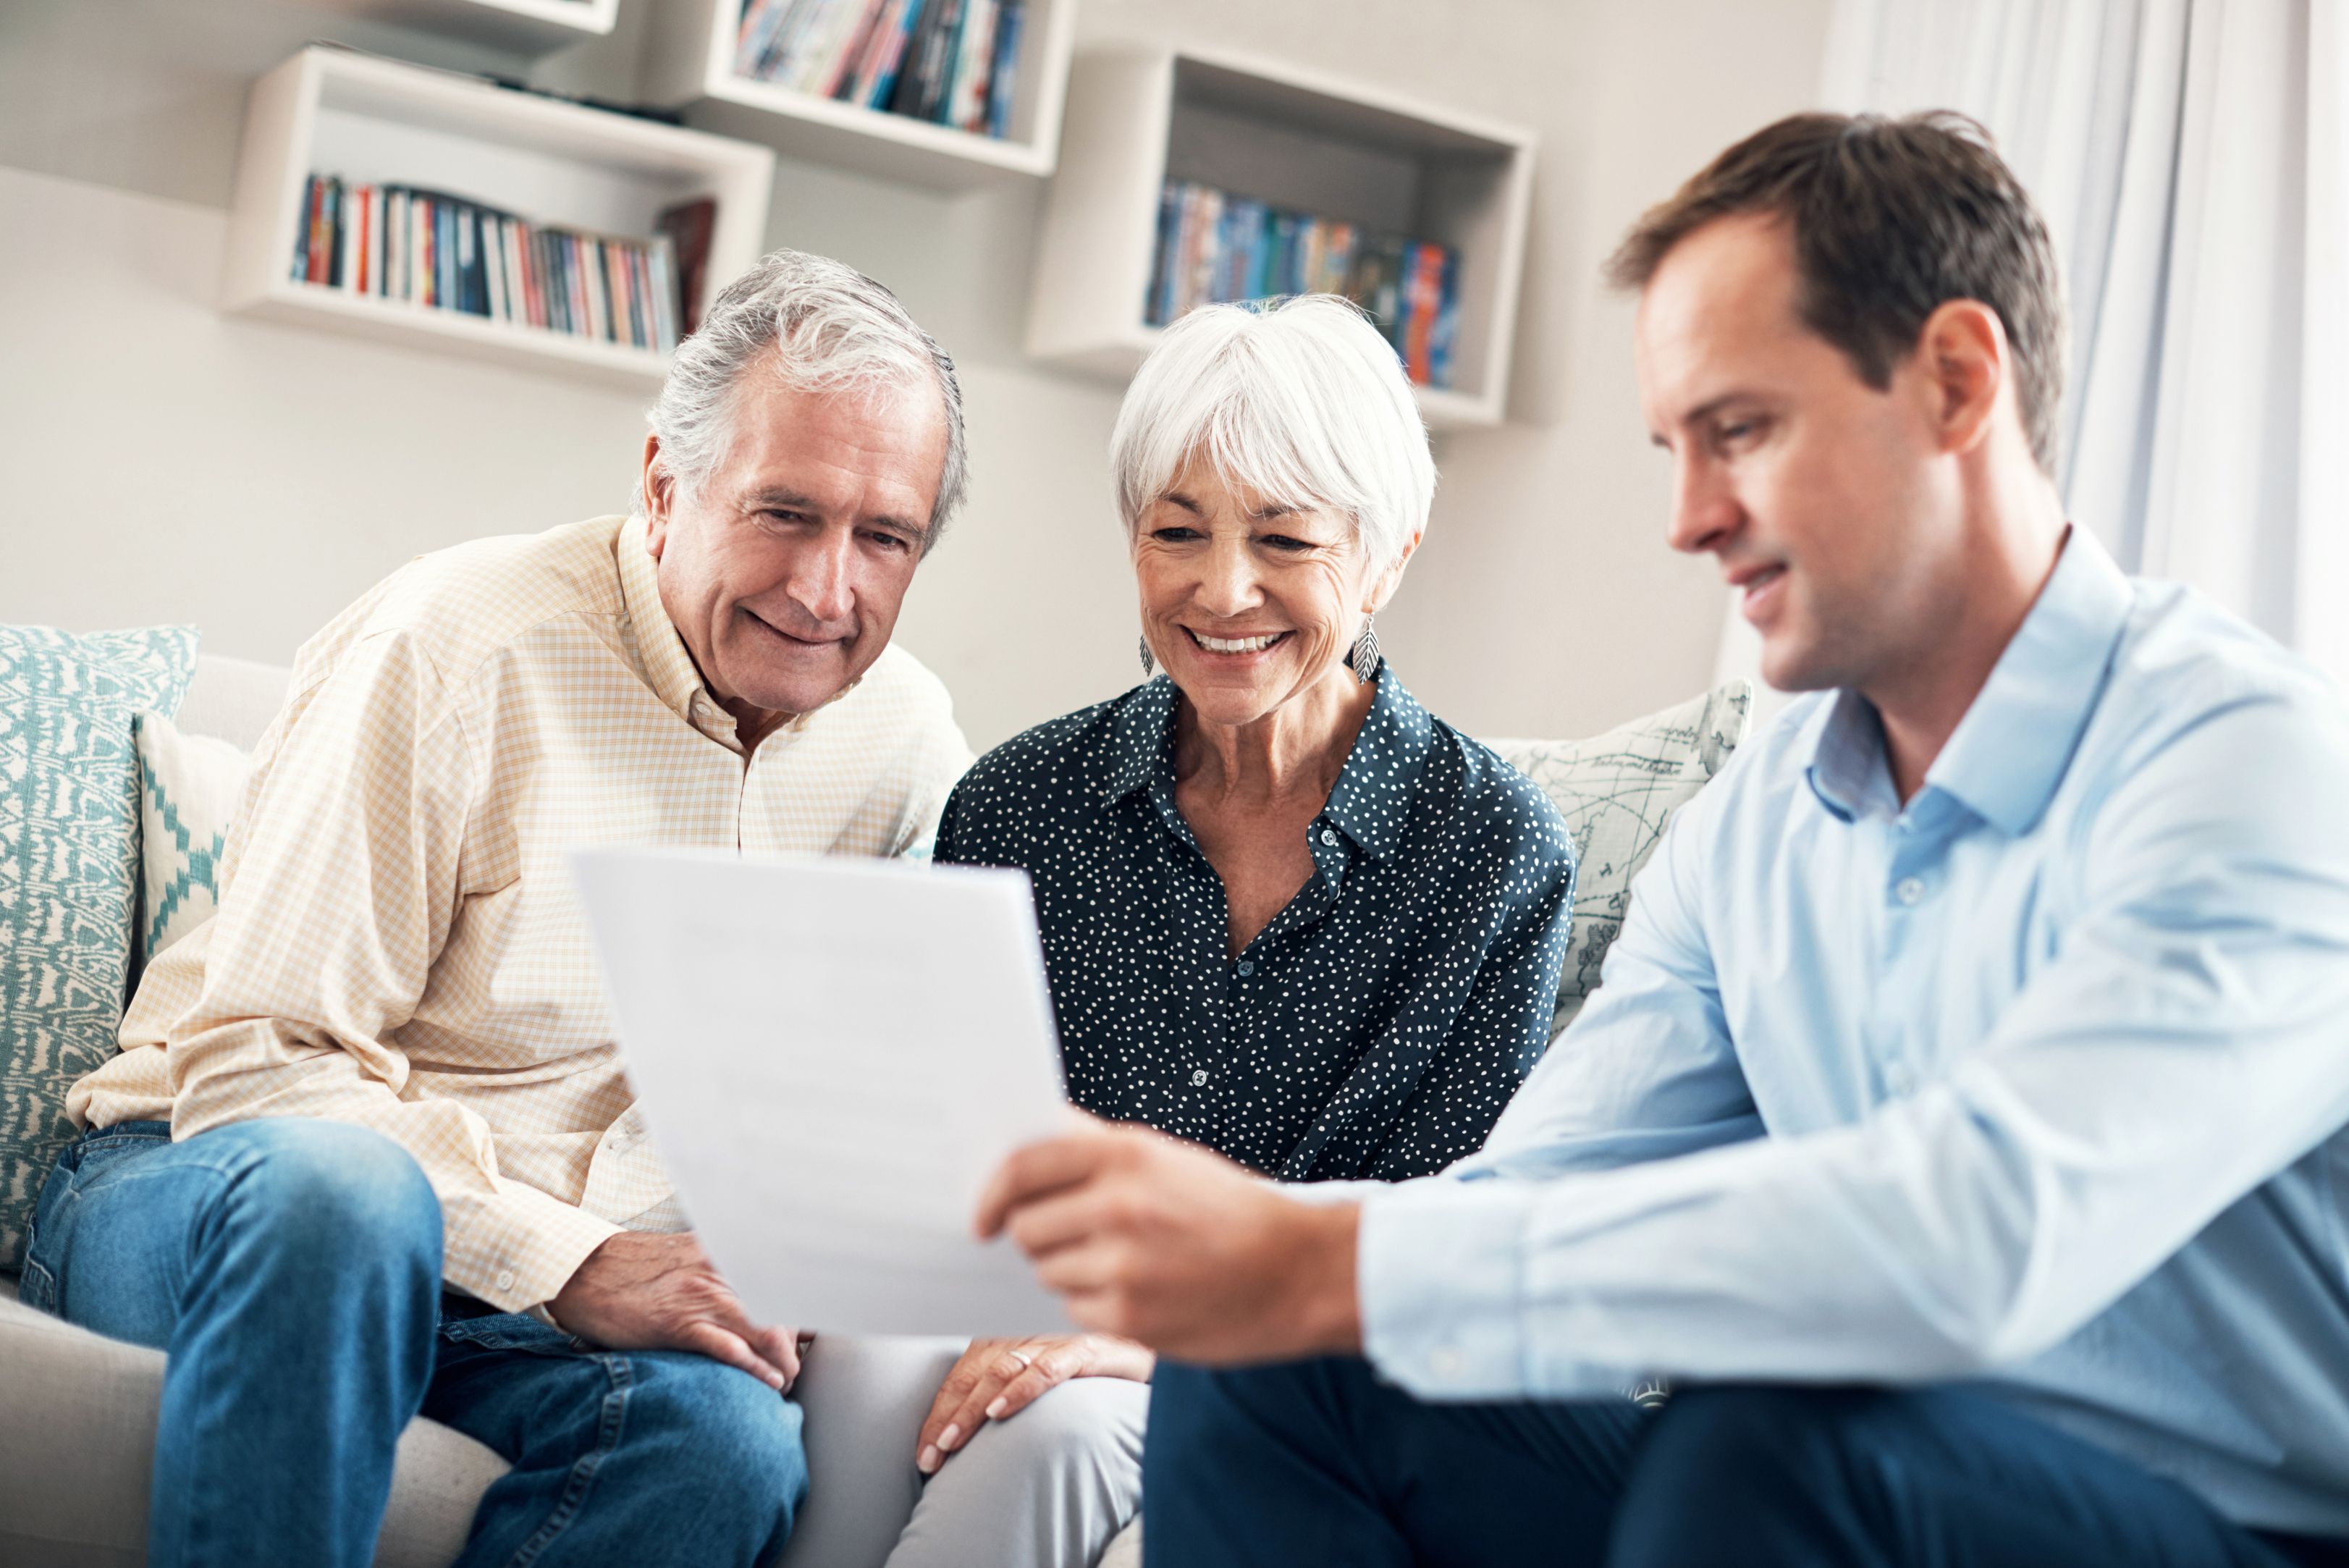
x=1706, y=511
x=821, y=577
x=820, y=581
x=1228, y=588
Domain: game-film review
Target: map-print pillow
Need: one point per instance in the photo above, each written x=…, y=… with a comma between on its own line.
x=187, y=790
x=68, y=830
x=1616, y=792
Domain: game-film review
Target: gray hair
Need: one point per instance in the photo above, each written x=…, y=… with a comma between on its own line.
x=829, y=329
x=1299, y=400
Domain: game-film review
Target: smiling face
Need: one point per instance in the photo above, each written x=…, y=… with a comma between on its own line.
x=1247, y=605
x=1833, y=506
x=784, y=570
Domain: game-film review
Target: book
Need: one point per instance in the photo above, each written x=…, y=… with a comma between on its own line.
x=1003, y=71
x=448, y=252
x=690, y=226
x=1214, y=246
x=964, y=103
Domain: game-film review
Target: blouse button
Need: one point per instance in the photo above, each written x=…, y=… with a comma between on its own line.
x=1329, y=835
x=1198, y=1076
x=1246, y=967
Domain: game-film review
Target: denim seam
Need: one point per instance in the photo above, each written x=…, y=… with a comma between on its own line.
x=583, y=1473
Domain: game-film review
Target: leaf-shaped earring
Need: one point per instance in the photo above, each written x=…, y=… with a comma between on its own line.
x=1364, y=660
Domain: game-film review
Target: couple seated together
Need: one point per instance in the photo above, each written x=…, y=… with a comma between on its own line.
x=1958, y=1129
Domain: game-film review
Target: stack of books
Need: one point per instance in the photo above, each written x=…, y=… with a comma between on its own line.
x=951, y=62
x=396, y=241
x=1215, y=247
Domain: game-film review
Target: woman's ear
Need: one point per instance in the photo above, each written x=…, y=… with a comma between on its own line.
x=1383, y=587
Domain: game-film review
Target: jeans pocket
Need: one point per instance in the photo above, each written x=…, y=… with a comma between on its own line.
x=36, y=1287
x=509, y=1331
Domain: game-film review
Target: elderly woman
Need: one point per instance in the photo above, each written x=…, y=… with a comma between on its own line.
x=1286, y=913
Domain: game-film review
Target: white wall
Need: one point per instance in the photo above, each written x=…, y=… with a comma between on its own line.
x=164, y=461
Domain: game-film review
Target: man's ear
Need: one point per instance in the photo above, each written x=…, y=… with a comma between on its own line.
x=1968, y=367
x=659, y=490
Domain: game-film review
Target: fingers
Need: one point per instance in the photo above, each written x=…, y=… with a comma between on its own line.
x=780, y=1348
x=952, y=1391
x=1036, y=1170
x=707, y=1339
x=1065, y=1219
x=993, y=1368
x=1052, y=1366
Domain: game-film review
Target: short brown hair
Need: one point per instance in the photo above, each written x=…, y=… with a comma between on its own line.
x=1891, y=219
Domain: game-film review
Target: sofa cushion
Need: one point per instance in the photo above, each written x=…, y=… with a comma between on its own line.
x=187, y=790
x=1616, y=792
x=68, y=829
x=233, y=699
x=77, y=1450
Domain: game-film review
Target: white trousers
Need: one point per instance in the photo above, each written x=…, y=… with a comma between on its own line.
x=1047, y=1489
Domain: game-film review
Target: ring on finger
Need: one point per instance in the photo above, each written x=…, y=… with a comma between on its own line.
x=1022, y=1357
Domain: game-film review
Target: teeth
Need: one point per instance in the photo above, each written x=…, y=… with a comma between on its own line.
x=1243, y=644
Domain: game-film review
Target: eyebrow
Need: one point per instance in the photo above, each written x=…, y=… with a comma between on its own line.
x=1267, y=514
x=1702, y=412
x=784, y=497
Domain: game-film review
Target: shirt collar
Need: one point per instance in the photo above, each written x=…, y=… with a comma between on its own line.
x=1387, y=754
x=2009, y=753
x=668, y=669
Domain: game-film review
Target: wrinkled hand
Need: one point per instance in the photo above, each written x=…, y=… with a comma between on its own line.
x=640, y=1290
x=1169, y=1243
x=997, y=1378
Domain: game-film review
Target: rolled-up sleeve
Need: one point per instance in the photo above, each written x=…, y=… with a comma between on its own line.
x=345, y=876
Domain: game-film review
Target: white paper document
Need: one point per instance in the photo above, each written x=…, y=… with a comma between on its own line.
x=833, y=1056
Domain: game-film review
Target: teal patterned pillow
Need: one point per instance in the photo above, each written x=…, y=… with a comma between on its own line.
x=68, y=874
x=187, y=790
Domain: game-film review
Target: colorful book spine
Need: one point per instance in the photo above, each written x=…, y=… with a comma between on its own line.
x=447, y=253
x=1213, y=247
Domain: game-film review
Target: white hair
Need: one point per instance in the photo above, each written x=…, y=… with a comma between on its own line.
x=1299, y=400
x=822, y=327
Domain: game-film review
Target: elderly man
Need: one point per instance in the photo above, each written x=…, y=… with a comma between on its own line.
x=367, y=1150
x=1961, y=1120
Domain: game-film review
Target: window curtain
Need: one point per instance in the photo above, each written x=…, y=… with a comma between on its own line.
x=2191, y=157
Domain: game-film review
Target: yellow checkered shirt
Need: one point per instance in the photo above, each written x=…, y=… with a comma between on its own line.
x=399, y=943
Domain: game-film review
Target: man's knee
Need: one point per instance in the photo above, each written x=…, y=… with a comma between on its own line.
x=1197, y=1415
x=328, y=1191
x=722, y=1435
x=1730, y=1474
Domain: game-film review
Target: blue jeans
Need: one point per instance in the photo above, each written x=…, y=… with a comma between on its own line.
x=1321, y=1462
x=292, y=1270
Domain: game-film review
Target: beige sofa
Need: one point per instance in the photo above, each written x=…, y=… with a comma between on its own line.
x=78, y=1412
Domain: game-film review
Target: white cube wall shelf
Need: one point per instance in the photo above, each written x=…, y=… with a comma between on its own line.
x=529, y=28
x=328, y=111
x=1138, y=118
x=689, y=65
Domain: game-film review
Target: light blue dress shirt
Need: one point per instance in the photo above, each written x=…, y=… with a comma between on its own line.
x=2039, y=1084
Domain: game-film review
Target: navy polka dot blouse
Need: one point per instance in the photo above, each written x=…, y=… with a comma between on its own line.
x=1375, y=1028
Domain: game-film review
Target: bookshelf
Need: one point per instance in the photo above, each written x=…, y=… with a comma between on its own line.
x=1136, y=119
x=328, y=111
x=528, y=27
x=689, y=65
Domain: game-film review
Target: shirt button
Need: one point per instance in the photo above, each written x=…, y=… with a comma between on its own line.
x=1198, y=1076
x=1445, y=1362
x=1247, y=966
x=1329, y=835
x=505, y=1279
x=1909, y=889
